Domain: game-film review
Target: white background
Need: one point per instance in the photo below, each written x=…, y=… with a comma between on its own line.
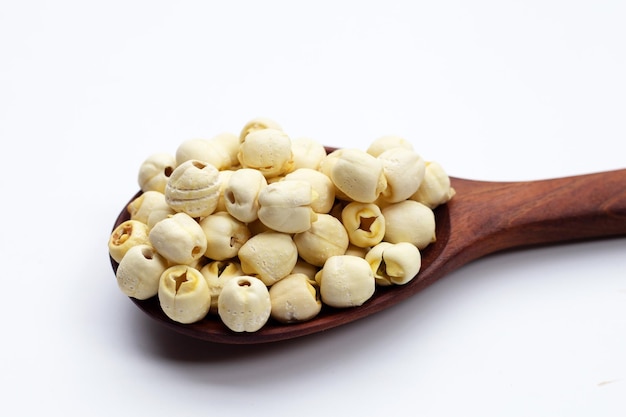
x=515, y=90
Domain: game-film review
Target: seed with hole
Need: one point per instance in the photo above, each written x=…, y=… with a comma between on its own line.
x=128, y=234
x=179, y=238
x=244, y=304
x=184, y=294
x=139, y=272
x=364, y=223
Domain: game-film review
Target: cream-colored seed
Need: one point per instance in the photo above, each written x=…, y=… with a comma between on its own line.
x=224, y=177
x=307, y=153
x=404, y=171
x=229, y=144
x=295, y=299
x=285, y=206
x=345, y=281
x=303, y=267
x=387, y=142
x=206, y=150
x=148, y=206
x=267, y=150
x=374, y=257
x=325, y=238
x=320, y=183
x=241, y=194
x=155, y=171
x=126, y=235
x=358, y=175
x=435, y=189
x=179, y=238
x=193, y=188
x=158, y=215
x=326, y=167
x=244, y=304
x=269, y=255
x=356, y=251
x=364, y=223
x=216, y=274
x=139, y=271
x=258, y=123
x=224, y=234
x=409, y=221
x=394, y=263
x=327, y=163
x=184, y=294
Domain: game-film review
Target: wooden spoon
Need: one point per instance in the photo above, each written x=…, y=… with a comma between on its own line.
x=482, y=218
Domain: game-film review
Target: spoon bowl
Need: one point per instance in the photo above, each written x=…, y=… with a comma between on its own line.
x=482, y=218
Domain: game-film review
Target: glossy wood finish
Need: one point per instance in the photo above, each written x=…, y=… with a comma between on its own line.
x=483, y=218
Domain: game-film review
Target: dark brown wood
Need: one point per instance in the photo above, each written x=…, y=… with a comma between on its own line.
x=482, y=218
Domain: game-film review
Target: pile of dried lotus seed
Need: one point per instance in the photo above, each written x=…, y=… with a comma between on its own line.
x=260, y=226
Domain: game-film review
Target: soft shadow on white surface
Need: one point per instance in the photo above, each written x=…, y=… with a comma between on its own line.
x=489, y=322
x=512, y=334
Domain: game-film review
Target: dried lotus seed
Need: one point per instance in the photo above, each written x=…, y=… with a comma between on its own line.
x=179, y=238
x=307, y=153
x=155, y=171
x=144, y=207
x=184, y=294
x=409, y=221
x=205, y=150
x=435, y=188
x=303, y=267
x=404, y=171
x=325, y=238
x=241, y=194
x=387, y=142
x=126, y=235
x=394, y=263
x=224, y=234
x=320, y=183
x=229, y=144
x=139, y=271
x=224, y=176
x=357, y=175
x=267, y=150
x=244, y=304
x=326, y=167
x=356, y=251
x=294, y=299
x=258, y=123
x=345, y=281
x=216, y=274
x=193, y=188
x=364, y=223
x=269, y=255
x=285, y=206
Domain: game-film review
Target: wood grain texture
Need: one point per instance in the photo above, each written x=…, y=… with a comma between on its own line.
x=482, y=218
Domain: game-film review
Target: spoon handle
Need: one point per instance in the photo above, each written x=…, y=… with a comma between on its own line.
x=505, y=215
